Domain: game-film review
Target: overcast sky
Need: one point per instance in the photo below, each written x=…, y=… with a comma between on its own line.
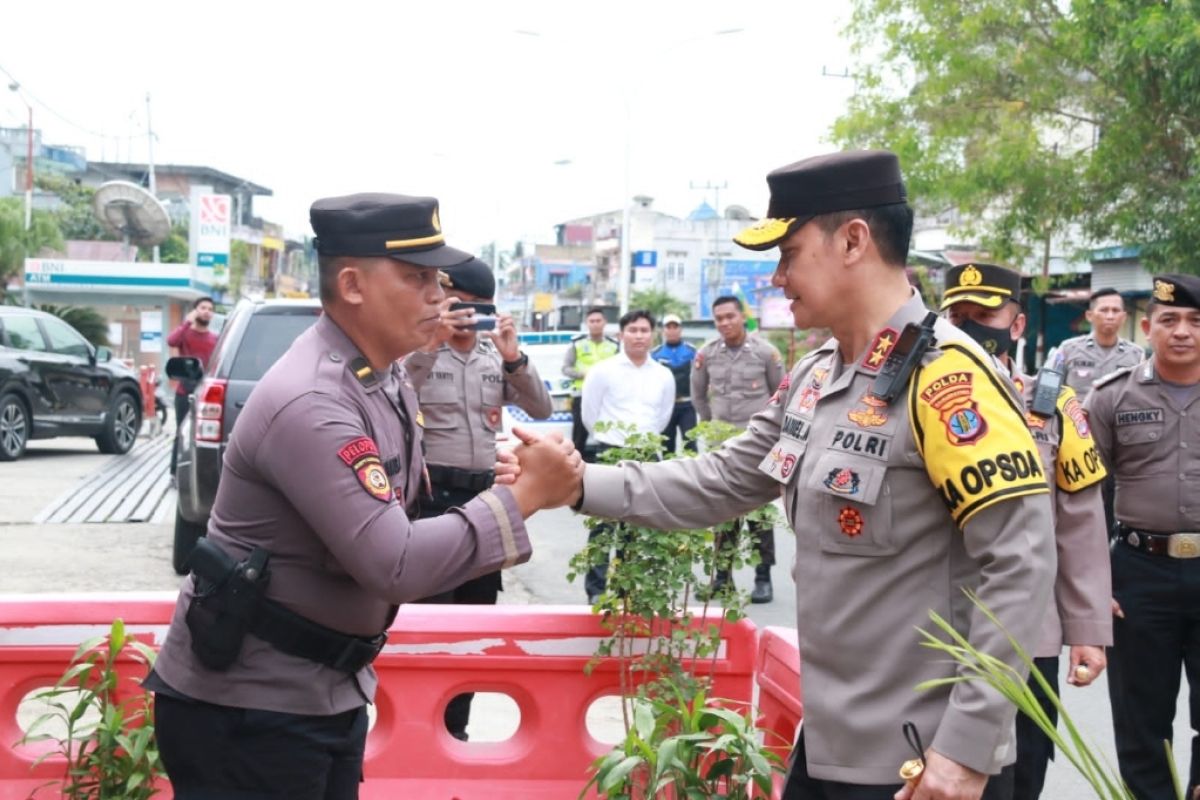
x=514, y=114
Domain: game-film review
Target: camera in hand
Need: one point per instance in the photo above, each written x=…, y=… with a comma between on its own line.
x=485, y=315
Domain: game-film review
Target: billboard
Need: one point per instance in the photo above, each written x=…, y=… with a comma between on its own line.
x=212, y=225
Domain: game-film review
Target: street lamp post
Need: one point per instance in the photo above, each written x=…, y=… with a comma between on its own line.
x=16, y=88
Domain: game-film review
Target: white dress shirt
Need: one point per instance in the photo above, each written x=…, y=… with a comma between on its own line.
x=617, y=390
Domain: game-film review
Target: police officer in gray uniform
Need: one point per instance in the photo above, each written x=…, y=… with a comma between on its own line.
x=1146, y=423
x=907, y=473
x=733, y=377
x=463, y=380
x=263, y=679
x=1088, y=358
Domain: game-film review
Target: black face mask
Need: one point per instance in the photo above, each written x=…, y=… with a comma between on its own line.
x=995, y=341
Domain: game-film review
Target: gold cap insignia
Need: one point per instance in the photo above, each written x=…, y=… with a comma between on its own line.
x=437, y=223
x=1164, y=292
x=970, y=276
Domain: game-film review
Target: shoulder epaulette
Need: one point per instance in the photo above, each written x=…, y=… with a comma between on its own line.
x=363, y=372
x=1112, y=376
x=577, y=338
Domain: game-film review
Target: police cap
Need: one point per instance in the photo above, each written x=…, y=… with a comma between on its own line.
x=1177, y=290
x=474, y=277
x=845, y=181
x=391, y=225
x=986, y=284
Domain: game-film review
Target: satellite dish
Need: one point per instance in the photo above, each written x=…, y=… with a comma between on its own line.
x=132, y=213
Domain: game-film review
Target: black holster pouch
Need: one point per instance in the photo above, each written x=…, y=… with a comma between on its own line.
x=226, y=603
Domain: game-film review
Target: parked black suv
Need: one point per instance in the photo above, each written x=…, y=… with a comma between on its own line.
x=254, y=337
x=54, y=383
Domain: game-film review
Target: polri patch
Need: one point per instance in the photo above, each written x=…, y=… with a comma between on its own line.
x=1074, y=410
x=362, y=456
x=842, y=480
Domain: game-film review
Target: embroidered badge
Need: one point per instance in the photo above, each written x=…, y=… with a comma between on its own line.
x=873, y=415
x=1034, y=421
x=950, y=395
x=362, y=456
x=842, y=480
x=789, y=464
x=493, y=416
x=879, y=350
x=970, y=276
x=784, y=385
x=850, y=519
x=1074, y=409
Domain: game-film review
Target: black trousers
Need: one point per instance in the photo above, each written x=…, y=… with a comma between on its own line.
x=183, y=404
x=579, y=433
x=1159, y=635
x=216, y=752
x=764, y=541
x=1034, y=748
x=481, y=591
x=683, y=419
x=801, y=786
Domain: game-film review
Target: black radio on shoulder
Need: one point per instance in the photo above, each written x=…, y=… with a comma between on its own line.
x=1046, y=388
x=905, y=356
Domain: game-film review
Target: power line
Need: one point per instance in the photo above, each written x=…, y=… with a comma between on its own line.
x=52, y=112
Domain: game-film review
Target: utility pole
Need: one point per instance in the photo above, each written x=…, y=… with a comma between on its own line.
x=150, y=159
x=717, y=273
x=16, y=89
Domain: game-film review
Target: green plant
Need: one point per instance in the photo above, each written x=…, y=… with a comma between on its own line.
x=676, y=734
x=101, y=722
x=980, y=666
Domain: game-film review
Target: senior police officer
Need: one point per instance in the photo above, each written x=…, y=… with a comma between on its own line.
x=463, y=380
x=984, y=300
x=908, y=475
x=262, y=684
x=1088, y=358
x=733, y=378
x=585, y=351
x=1146, y=422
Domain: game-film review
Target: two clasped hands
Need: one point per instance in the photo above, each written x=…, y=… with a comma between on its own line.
x=541, y=471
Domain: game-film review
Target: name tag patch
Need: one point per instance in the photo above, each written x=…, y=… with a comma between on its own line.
x=1140, y=416
x=872, y=445
x=796, y=427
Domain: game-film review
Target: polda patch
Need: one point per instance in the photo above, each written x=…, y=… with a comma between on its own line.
x=362, y=456
x=950, y=396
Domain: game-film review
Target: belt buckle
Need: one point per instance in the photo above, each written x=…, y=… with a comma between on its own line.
x=1184, y=545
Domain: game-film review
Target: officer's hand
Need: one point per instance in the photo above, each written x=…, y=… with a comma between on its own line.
x=451, y=323
x=1087, y=662
x=550, y=473
x=507, y=468
x=1116, y=608
x=505, y=338
x=944, y=779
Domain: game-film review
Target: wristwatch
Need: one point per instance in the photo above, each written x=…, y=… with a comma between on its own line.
x=512, y=366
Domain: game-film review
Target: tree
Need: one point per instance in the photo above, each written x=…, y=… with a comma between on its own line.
x=1034, y=116
x=659, y=303
x=16, y=243
x=76, y=217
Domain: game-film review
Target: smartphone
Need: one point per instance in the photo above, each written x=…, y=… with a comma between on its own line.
x=485, y=315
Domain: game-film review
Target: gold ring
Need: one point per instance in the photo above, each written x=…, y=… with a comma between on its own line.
x=1082, y=673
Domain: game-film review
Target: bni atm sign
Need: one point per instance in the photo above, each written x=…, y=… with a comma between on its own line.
x=213, y=221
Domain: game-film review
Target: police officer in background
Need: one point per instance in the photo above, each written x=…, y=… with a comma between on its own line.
x=984, y=301
x=264, y=677
x=1088, y=358
x=463, y=380
x=677, y=355
x=733, y=378
x=1146, y=422
x=585, y=352
x=878, y=443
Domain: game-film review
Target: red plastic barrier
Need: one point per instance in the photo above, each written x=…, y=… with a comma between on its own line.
x=147, y=380
x=777, y=673
x=534, y=654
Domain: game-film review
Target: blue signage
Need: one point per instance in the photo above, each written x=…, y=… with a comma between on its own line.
x=645, y=258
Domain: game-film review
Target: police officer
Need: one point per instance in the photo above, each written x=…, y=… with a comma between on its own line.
x=984, y=300
x=1088, y=358
x=462, y=381
x=263, y=679
x=733, y=378
x=586, y=351
x=677, y=355
x=1146, y=422
x=908, y=474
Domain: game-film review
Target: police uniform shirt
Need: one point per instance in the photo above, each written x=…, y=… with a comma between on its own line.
x=1151, y=442
x=896, y=509
x=733, y=384
x=1081, y=613
x=462, y=396
x=319, y=472
x=1084, y=361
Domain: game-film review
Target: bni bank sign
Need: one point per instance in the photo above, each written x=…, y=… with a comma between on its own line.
x=210, y=229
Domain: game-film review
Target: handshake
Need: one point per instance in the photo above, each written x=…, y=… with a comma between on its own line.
x=542, y=472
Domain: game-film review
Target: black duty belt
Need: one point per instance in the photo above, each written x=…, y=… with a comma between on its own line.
x=464, y=479
x=1182, y=544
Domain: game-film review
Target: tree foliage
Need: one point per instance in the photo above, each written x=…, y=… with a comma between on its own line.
x=1039, y=117
x=16, y=243
x=659, y=303
x=76, y=216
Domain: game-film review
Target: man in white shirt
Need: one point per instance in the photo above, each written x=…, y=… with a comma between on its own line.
x=629, y=388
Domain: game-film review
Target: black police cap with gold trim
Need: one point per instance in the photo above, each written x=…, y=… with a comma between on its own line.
x=390, y=225
x=986, y=284
x=1177, y=290
x=845, y=181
